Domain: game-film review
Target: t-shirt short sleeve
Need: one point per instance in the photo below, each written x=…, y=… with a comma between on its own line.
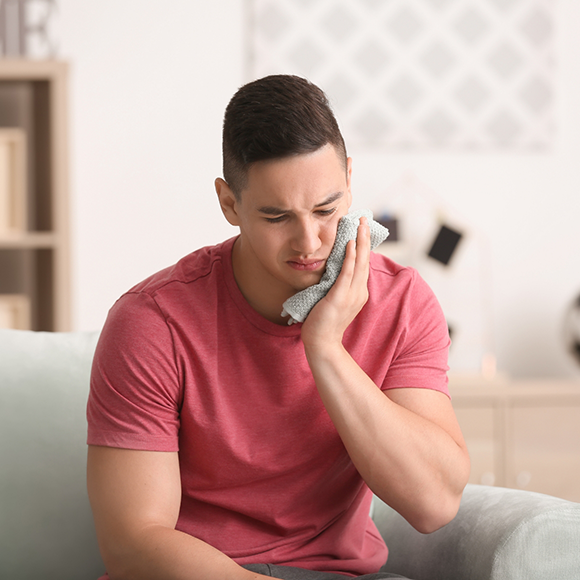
x=421, y=356
x=135, y=393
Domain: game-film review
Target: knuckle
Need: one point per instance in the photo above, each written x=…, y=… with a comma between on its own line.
x=365, y=296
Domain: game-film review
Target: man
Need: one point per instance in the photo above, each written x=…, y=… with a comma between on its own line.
x=224, y=443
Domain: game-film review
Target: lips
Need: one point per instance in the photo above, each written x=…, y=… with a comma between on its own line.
x=306, y=265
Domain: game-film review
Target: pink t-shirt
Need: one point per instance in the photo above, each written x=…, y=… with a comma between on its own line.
x=185, y=364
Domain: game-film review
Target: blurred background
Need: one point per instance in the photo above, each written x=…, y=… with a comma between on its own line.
x=457, y=113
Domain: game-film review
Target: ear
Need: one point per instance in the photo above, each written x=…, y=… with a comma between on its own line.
x=348, y=180
x=228, y=201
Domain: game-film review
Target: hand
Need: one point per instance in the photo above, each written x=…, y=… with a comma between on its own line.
x=328, y=320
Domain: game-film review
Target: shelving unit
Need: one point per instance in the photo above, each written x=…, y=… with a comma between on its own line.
x=35, y=253
x=521, y=434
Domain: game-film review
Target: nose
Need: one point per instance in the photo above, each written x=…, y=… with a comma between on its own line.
x=306, y=237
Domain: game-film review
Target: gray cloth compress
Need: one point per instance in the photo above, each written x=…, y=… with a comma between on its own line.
x=299, y=306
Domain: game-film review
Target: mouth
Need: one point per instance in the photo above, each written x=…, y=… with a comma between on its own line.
x=306, y=265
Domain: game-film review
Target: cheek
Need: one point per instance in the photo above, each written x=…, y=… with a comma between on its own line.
x=266, y=241
x=329, y=231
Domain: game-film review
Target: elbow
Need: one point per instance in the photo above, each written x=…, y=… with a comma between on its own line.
x=121, y=561
x=118, y=568
x=432, y=523
x=134, y=555
x=123, y=570
x=441, y=505
x=437, y=515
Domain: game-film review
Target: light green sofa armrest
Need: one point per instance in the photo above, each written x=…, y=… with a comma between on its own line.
x=498, y=534
x=46, y=527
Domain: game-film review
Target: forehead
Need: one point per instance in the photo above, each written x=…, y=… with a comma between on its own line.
x=313, y=175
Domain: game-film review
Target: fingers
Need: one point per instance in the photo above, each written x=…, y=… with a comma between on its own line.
x=348, y=294
x=355, y=268
x=363, y=253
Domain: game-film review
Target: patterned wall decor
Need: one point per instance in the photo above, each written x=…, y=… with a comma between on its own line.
x=419, y=73
x=464, y=286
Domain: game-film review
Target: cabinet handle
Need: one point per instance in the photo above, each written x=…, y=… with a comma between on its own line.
x=523, y=479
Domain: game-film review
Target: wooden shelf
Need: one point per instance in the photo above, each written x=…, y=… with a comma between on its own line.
x=32, y=70
x=521, y=433
x=29, y=240
x=35, y=259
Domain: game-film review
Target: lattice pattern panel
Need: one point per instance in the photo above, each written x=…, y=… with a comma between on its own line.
x=419, y=73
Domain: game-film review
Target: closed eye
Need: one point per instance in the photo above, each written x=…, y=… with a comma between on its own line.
x=326, y=211
x=281, y=218
x=276, y=219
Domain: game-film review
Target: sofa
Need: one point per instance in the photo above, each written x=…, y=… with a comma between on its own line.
x=46, y=529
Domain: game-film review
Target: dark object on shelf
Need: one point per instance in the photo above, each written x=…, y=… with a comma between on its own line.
x=392, y=224
x=450, y=331
x=445, y=245
x=572, y=329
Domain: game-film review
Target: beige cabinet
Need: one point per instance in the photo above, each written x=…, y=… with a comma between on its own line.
x=522, y=434
x=34, y=236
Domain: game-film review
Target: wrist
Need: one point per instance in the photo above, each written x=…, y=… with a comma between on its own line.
x=323, y=349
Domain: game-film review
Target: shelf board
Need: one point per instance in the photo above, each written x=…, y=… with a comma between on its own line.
x=30, y=69
x=28, y=240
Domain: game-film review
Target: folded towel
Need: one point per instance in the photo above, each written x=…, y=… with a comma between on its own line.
x=299, y=306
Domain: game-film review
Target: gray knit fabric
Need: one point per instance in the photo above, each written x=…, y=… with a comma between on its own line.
x=299, y=306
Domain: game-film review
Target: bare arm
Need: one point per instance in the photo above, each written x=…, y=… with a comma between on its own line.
x=406, y=444
x=135, y=497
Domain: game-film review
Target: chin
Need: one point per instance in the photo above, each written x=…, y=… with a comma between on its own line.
x=306, y=283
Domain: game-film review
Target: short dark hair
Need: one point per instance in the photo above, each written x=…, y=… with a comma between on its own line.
x=275, y=117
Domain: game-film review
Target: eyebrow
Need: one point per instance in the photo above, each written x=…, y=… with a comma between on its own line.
x=273, y=210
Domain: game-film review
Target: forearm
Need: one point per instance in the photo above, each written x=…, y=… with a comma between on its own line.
x=408, y=461
x=159, y=552
x=135, y=497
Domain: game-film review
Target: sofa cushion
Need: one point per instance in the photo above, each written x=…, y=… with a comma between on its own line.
x=498, y=534
x=46, y=528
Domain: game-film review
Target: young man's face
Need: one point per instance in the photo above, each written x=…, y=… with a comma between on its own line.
x=288, y=216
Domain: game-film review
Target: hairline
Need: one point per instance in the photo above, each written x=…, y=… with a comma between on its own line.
x=340, y=152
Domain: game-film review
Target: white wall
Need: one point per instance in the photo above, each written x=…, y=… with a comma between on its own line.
x=149, y=84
